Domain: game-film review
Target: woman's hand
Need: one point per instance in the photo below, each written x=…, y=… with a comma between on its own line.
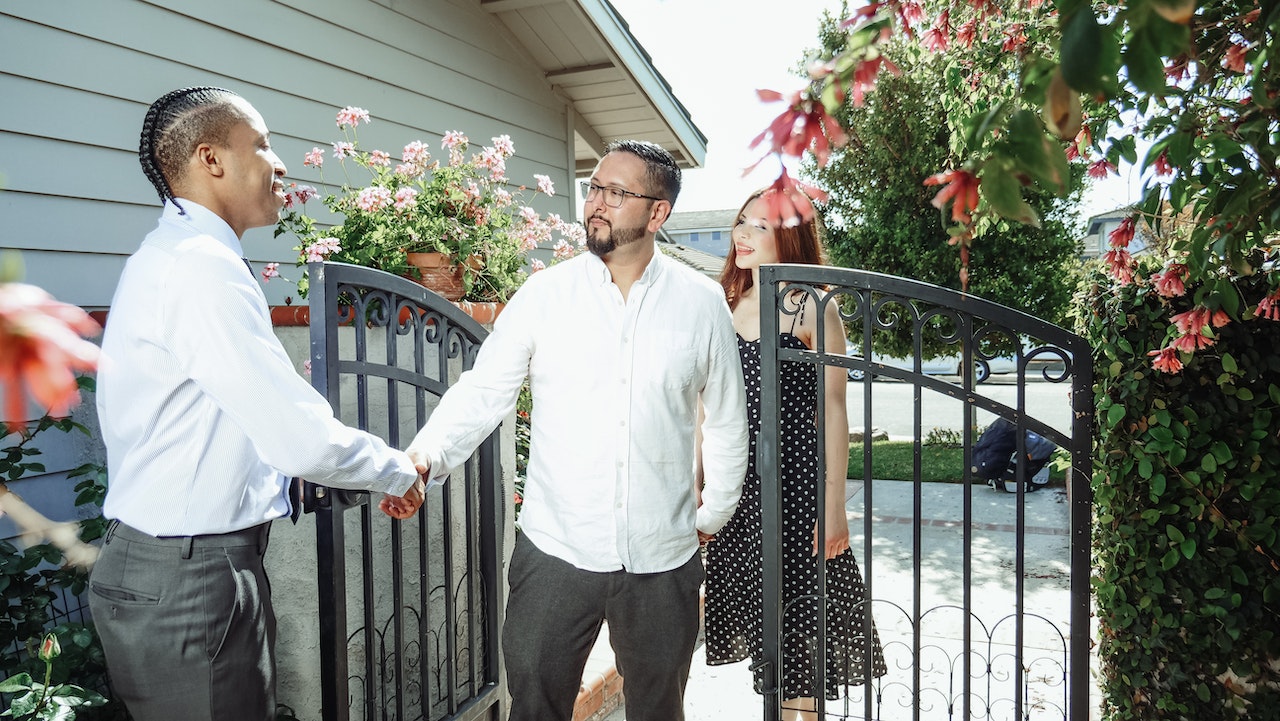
x=837, y=540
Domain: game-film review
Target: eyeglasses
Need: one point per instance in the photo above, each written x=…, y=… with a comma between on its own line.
x=613, y=197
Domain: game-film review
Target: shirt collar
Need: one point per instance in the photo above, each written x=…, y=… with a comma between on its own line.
x=203, y=220
x=599, y=273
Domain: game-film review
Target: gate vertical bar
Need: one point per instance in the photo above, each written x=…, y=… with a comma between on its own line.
x=768, y=668
x=331, y=573
x=1081, y=509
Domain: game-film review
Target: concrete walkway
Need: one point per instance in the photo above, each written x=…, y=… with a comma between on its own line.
x=724, y=693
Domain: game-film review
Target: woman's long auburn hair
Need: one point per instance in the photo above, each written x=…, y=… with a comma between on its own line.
x=800, y=243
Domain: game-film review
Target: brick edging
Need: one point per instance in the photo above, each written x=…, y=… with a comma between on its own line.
x=300, y=315
x=293, y=316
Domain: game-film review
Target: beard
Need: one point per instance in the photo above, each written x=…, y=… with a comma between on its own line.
x=613, y=239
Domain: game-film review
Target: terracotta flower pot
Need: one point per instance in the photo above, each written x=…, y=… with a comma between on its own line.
x=437, y=272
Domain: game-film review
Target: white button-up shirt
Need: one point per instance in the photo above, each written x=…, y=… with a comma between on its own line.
x=615, y=387
x=203, y=415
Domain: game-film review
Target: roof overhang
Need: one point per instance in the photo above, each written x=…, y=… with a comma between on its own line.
x=587, y=53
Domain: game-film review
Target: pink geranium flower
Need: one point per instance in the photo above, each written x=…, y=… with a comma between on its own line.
x=405, y=198
x=373, y=199
x=545, y=185
x=342, y=149
x=352, y=116
x=314, y=158
x=269, y=271
x=40, y=351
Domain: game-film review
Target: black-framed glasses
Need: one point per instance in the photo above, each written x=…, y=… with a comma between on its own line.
x=613, y=197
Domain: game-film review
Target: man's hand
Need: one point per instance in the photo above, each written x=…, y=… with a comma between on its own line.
x=403, y=507
x=705, y=538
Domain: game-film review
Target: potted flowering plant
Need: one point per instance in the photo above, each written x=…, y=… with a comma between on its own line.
x=460, y=210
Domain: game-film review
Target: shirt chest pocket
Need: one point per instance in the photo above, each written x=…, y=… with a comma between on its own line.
x=669, y=359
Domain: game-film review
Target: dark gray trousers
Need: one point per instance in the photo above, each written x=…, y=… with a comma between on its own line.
x=187, y=624
x=554, y=615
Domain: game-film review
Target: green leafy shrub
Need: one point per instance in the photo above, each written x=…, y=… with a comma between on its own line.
x=37, y=591
x=1186, y=485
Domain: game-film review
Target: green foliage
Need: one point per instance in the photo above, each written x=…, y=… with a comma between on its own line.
x=33, y=582
x=879, y=213
x=1187, y=494
x=46, y=701
x=1207, y=93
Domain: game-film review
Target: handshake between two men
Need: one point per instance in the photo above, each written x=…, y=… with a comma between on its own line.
x=403, y=507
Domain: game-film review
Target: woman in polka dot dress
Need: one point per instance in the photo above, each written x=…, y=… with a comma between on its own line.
x=734, y=592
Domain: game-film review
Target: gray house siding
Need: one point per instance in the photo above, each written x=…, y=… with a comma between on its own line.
x=77, y=77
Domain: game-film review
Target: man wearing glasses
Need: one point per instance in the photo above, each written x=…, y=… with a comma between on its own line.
x=623, y=347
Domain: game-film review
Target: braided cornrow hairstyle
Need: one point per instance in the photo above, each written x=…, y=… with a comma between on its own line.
x=175, y=124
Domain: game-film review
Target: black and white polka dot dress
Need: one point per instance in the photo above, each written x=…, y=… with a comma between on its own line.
x=734, y=615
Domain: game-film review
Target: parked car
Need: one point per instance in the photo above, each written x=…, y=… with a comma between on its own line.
x=941, y=366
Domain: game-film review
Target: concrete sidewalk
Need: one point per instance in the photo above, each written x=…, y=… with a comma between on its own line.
x=724, y=693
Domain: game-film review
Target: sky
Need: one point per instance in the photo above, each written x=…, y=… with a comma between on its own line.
x=717, y=53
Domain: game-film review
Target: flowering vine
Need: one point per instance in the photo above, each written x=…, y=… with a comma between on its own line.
x=1194, y=78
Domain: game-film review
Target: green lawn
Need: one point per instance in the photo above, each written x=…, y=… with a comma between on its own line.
x=938, y=463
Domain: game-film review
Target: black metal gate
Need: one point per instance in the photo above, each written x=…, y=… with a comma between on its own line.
x=963, y=638
x=409, y=611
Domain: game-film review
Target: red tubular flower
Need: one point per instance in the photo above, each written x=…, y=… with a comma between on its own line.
x=1166, y=360
x=967, y=33
x=1169, y=284
x=40, y=348
x=938, y=37
x=1269, y=307
x=1192, y=321
x=1235, y=57
x=1191, y=342
x=1014, y=38
x=788, y=202
x=1120, y=237
x=804, y=125
x=1119, y=264
x=1162, y=165
x=1101, y=169
x=961, y=190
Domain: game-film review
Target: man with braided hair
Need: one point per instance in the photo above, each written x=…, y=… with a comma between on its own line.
x=205, y=421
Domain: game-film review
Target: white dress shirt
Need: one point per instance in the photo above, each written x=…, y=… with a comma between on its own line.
x=203, y=415
x=615, y=403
